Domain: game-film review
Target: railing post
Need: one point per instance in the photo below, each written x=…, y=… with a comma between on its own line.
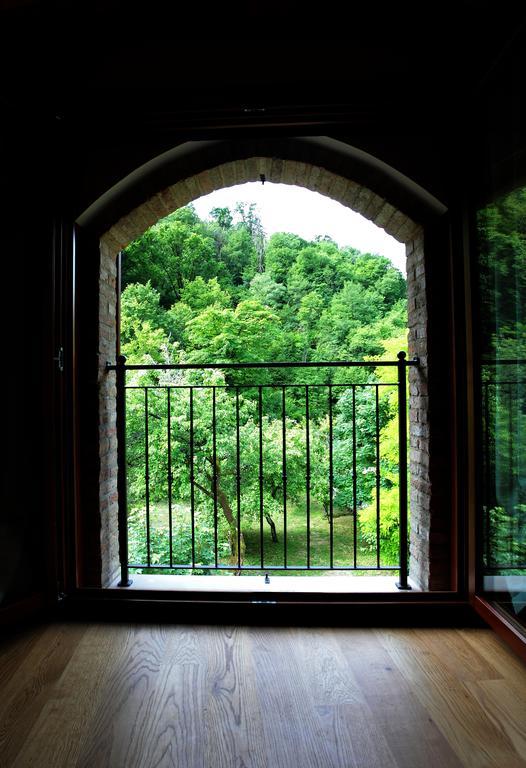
x=402, y=465
x=122, y=489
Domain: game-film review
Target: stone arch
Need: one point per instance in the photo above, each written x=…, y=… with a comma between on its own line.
x=427, y=569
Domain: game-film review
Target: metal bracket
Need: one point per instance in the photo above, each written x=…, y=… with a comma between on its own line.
x=59, y=359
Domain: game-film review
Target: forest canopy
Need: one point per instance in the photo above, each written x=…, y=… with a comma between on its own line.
x=217, y=291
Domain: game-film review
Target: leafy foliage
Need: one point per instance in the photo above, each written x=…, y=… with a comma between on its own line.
x=217, y=291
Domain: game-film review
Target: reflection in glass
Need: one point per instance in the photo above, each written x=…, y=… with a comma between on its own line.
x=502, y=342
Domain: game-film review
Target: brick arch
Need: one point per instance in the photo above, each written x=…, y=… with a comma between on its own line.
x=313, y=177
x=425, y=570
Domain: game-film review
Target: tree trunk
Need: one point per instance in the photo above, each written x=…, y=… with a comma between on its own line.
x=233, y=537
x=272, y=524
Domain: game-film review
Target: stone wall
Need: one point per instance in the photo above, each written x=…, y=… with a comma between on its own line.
x=420, y=487
x=107, y=414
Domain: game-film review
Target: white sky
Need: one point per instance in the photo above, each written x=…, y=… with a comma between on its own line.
x=285, y=208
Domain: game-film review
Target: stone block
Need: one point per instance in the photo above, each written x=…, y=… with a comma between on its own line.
x=384, y=215
x=276, y=170
x=376, y=204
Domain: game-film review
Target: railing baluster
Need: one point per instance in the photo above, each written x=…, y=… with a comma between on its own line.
x=122, y=483
x=354, y=479
x=192, y=489
x=261, y=509
x=402, y=465
x=147, y=477
x=331, y=481
x=307, y=468
x=214, y=471
x=170, y=475
x=238, y=481
x=284, y=472
x=377, y=472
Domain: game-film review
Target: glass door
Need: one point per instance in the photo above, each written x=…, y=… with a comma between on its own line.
x=500, y=336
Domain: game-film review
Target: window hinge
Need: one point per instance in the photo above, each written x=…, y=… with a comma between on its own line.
x=59, y=359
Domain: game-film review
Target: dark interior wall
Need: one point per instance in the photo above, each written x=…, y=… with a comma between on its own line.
x=27, y=194
x=88, y=98
x=423, y=156
x=46, y=164
x=498, y=159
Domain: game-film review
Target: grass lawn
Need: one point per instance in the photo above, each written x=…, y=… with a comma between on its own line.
x=273, y=552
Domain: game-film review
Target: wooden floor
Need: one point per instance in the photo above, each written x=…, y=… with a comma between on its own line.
x=117, y=695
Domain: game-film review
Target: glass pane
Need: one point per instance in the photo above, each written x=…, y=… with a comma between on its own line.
x=502, y=343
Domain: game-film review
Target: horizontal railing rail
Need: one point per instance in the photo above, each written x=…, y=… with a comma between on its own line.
x=202, y=437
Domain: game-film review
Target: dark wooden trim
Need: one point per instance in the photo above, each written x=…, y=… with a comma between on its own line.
x=77, y=551
x=307, y=598
x=471, y=413
x=63, y=409
x=287, y=610
x=454, y=465
x=502, y=624
x=458, y=464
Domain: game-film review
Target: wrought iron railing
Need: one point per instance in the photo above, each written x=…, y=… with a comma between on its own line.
x=188, y=420
x=503, y=491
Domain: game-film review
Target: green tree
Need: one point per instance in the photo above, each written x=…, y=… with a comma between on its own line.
x=267, y=291
x=249, y=333
x=252, y=222
x=175, y=250
x=199, y=294
x=282, y=251
x=223, y=217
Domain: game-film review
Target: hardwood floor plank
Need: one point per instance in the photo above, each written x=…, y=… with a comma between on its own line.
x=173, y=733
x=457, y=655
x=14, y=648
x=324, y=668
x=505, y=708
x=411, y=734
x=474, y=737
x=27, y=691
x=348, y=725
x=293, y=733
x=495, y=652
x=116, y=735
x=234, y=727
x=56, y=737
x=352, y=739
x=174, y=729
